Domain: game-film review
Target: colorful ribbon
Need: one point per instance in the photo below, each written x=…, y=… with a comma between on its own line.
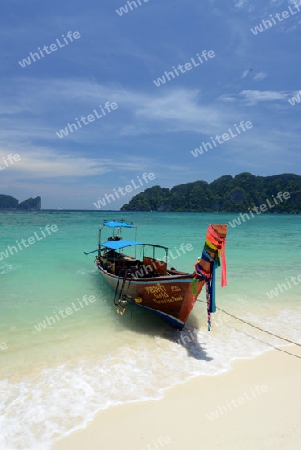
x=216, y=245
x=220, y=244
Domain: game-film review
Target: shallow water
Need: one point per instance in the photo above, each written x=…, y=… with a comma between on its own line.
x=56, y=379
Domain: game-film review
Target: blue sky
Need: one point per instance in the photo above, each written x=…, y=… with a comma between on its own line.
x=116, y=59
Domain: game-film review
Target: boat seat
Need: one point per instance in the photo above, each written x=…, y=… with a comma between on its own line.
x=158, y=267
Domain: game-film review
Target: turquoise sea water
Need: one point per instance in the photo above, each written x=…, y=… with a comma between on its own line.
x=54, y=380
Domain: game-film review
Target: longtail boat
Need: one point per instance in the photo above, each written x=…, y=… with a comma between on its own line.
x=146, y=282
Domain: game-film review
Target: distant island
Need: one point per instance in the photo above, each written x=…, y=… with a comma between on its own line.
x=9, y=203
x=226, y=194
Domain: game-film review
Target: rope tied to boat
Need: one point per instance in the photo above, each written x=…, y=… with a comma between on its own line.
x=264, y=331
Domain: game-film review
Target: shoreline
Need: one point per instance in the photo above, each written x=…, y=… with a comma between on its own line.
x=254, y=405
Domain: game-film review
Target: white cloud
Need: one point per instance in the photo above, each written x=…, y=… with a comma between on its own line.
x=227, y=98
x=170, y=110
x=276, y=3
x=246, y=5
x=245, y=73
x=253, y=97
x=240, y=4
x=186, y=110
x=46, y=163
x=260, y=76
x=49, y=163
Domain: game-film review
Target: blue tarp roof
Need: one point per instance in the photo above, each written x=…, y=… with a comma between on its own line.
x=116, y=245
x=114, y=223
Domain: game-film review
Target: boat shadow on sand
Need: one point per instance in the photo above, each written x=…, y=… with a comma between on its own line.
x=156, y=327
x=144, y=322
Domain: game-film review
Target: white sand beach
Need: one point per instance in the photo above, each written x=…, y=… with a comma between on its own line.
x=256, y=405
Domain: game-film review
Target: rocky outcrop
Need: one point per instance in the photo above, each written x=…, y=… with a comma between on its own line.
x=9, y=203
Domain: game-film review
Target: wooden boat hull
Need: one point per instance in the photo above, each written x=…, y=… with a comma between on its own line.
x=169, y=296
x=148, y=284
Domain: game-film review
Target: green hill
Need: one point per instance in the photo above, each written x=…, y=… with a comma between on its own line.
x=226, y=194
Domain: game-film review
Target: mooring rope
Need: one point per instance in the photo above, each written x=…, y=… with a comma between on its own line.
x=273, y=346
x=260, y=329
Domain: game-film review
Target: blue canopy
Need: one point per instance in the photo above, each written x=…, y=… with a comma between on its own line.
x=114, y=223
x=116, y=245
